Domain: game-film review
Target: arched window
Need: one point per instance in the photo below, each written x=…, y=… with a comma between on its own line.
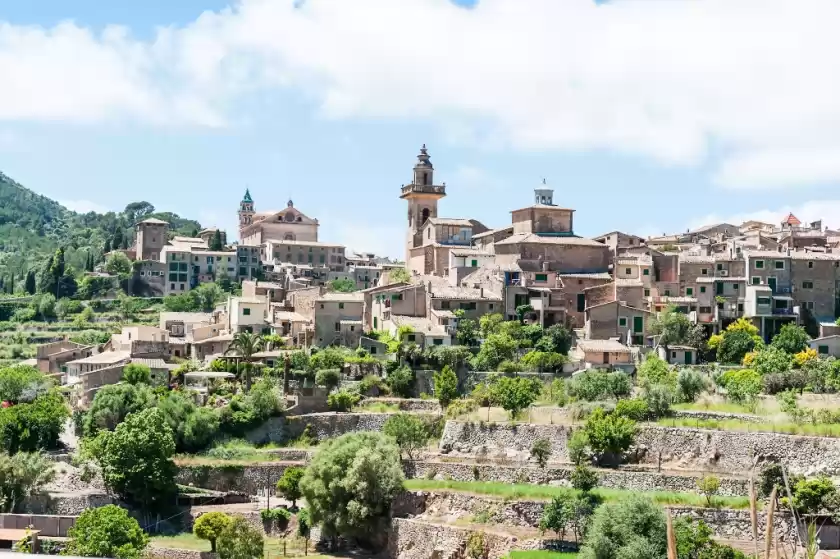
x=425, y=216
x=288, y=237
x=426, y=178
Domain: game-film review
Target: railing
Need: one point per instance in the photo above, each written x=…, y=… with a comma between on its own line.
x=423, y=189
x=788, y=311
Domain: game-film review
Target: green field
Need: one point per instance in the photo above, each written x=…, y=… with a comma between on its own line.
x=530, y=491
x=818, y=430
x=541, y=554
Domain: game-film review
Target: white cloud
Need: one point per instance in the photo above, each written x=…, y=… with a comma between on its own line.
x=468, y=176
x=83, y=206
x=811, y=210
x=759, y=78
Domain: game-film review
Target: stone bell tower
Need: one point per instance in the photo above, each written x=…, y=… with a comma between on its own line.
x=246, y=212
x=422, y=196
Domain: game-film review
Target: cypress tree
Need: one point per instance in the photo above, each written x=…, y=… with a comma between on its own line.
x=30, y=282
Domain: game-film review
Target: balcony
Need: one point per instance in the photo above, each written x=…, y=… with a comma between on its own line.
x=787, y=311
x=423, y=189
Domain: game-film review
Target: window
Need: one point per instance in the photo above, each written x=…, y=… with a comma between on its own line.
x=243, y=272
x=740, y=307
x=246, y=311
x=807, y=285
x=763, y=300
x=437, y=341
x=444, y=305
x=628, y=271
x=490, y=307
x=704, y=272
x=667, y=292
x=673, y=355
x=780, y=264
x=822, y=350
x=646, y=272
x=689, y=291
x=474, y=263
x=468, y=306
x=647, y=292
x=581, y=302
x=719, y=267
x=705, y=310
x=702, y=289
x=172, y=286
x=341, y=305
x=541, y=277
x=411, y=337
x=810, y=264
x=759, y=264
x=337, y=326
x=809, y=305
x=181, y=287
x=756, y=280
x=735, y=287
x=622, y=321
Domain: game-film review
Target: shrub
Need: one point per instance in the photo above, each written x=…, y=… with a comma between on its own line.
x=742, y=386
x=408, y=431
x=811, y=495
x=401, y=381
x=343, y=400
x=240, y=540
x=578, y=447
x=445, y=386
x=136, y=373
x=279, y=516
x=461, y=406
x=508, y=367
x=584, y=478
x=541, y=361
x=113, y=403
x=372, y=385
x=28, y=427
x=288, y=486
x=690, y=384
x=770, y=360
x=20, y=383
x=633, y=527
x=708, y=486
x=596, y=385
x=655, y=370
x=771, y=476
x=659, y=398
x=328, y=378
x=609, y=434
x=632, y=408
x=22, y=474
x=556, y=392
x=209, y=526
x=791, y=339
x=541, y=451
x=106, y=532
x=351, y=482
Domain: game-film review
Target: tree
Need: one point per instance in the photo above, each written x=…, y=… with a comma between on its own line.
x=137, y=373
x=29, y=285
x=734, y=346
x=557, y=515
x=514, y=394
x=343, y=400
x=351, y=482
x=408, y=431
x=399, y=275
x=246, y=345
x=22, y=474
x=445, y=386
x=106, y=532
x=288, y=486
x=690, y=384
x=672, y=327
x=216, y=241
x=598, y=385
x=273, y=341
x=118, y=264
x=210, y=525
x=466, y=329
x=240, y=540
x=113, y=403
x=136, y=211
x=658, y=399
x=136, y=459
x=557, y=339
x=489, y=324
x=694, y=541
x=35, y=425
x=584, y=478
x=328, y=378
x=304, y=527
x=742, y=386
x=543, y=362
x=495, y=349
x=343, y=285
x=655, y=370
x=768, y=360
x=633, y=527
x=810, y=496
x=541, y=451
x=578, y=446
x=609, y=434
x=708, y=486
x=46, y=305
x=401, y=381
x=791, y=339
x=21, y=383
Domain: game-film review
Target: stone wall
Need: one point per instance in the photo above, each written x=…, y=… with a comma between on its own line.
x=561, y=475
x=321, y=426
x=68, y=504
x=154, y=552
x=408, y=404
x=724, y=523
x=695, y=449
x=251, y=479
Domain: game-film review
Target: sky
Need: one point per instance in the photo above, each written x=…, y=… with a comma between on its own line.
x=646, y=116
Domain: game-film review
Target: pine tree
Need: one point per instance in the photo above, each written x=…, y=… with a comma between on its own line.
x=216, y=241
x=117, y=241
x=107, y=248
x=12, y=283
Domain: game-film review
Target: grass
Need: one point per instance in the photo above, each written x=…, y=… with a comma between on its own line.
x=273, y=546
x=377, y=407
x=233, y=452
x=818, y=430
x=526, y=490
x=540, y=554
x=722, y=406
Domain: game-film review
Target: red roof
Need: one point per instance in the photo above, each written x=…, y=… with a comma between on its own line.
x=791, y=220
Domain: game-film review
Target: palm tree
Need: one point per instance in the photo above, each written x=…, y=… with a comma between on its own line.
x=246, y=345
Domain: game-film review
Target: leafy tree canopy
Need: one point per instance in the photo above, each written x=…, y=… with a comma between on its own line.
x=107, y=532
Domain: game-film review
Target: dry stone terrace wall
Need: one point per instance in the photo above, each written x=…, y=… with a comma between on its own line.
x=321, y=426
x=695, y=449
x=251, y=479
x=724, y=523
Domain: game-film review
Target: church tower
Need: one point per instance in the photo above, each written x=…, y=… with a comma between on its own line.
x=246, y=212
x=422, y=196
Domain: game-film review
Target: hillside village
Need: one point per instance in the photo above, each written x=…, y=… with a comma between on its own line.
x=499, y=392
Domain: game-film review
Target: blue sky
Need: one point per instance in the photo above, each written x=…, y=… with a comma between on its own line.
x=643, y=116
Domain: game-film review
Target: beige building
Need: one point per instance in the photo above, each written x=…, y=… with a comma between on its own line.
x=150, y=237
x=52, y=358
x=598, y=354
x=247, y=314
x=289, y=224
x=338, y=319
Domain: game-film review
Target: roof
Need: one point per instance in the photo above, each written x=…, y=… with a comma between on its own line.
x=595, y=275
x=634, y=259
x=629, y=282
x=490, y=232
x=104, y=358
x=153, y=363
x=705, y=228
x=208, y=374
x=219, y=338
x=446, y=291
x=564, y=240
x=667, y=299
x=696, y=259
x=354, y=297
x=609, y=233
x=419, y=324
x=305, y=243
x=542, y=207
x=620, y=304
x=154, y=221
x=188, y=317
x=290, y=316
x=469, y=252
x=457, y=222
x=270, y=353
x=351, y=322
x=791, y=220
x=247, y=197
x=682, y=347
x=712, y=279
x=443, y=313
x=831, y=337
x=610, y=346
